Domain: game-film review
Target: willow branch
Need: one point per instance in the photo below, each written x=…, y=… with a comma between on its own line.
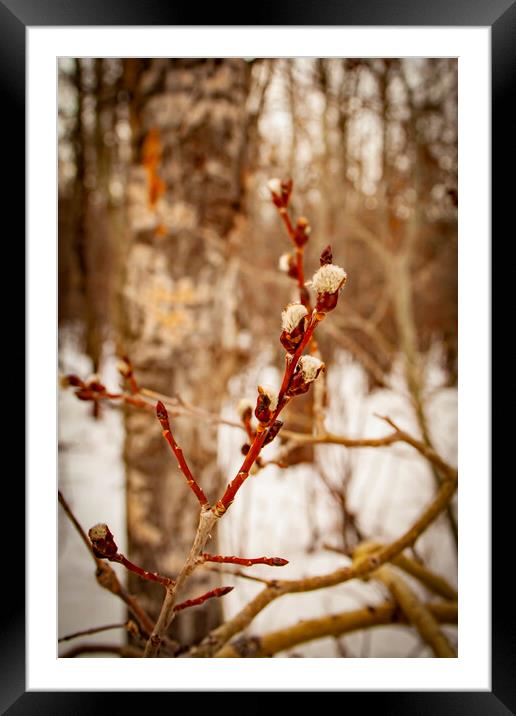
x=93, y=630
x=162, y=414
x=333, y=625
x=237, y=573
x=130, y=652
x=207, y=522
x=270, y=561
x=212, y=594
x=397, y=436
x=416, y=613
x=106, y=576
x=431, y=580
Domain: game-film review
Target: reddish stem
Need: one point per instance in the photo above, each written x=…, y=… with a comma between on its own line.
x=162, y=414
x=271, y=561
x=246, y=420
x=291, y=365
x=257, y=444
x=283, y=212
x=219, y=592
x=143, y=573
x=303, y=293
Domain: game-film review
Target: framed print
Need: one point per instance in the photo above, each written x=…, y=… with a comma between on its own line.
x=264, y=251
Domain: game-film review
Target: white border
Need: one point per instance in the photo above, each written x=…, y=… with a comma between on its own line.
x=471, y=670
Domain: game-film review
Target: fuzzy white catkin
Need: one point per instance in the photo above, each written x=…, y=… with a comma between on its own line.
x=291, y=316
x=310, y=367
x=284, y=263
x=271, y=394
x=274, y=185
x=328, y=279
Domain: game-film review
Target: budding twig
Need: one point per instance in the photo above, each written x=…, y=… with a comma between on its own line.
x=126, y=370
x=271, y=561
x=162, y=414
x=416, y=613
x=104, y=547
x=332, y=625
x=96, y=630
x=218, y=592
x=236, y=573
x=106, y=576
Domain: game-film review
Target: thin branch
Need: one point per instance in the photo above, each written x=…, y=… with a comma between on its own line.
x=431, y=580
x=162, y=414
x=398, y=436
x=105, y=574
x=104, y=547
x=333, y=625
x=214, y=593
x=237, y=573
x=416, y=613
x=123, y=651
x=207, y=522
x=271, y=561
x=93, y=630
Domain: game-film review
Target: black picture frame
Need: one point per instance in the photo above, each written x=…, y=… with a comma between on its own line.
x=15, y=17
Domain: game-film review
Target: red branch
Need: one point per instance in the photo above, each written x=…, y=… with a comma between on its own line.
x=127, y=371
x=143, y=573
x=219, y=592
x=300, y=272
x=271, y=561
x=229, y=495
x=162, y=414
x=104, y=547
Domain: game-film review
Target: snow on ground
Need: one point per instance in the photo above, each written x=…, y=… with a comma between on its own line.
x=91, y=477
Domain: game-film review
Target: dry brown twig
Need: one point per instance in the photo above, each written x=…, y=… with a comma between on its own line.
x=332, y=625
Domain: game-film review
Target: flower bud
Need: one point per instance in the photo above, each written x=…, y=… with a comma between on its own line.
x=280, y=192
x=326, y=256
x=274, y=186
x=307, y=370
x=287, y=264
x=93, y=383
x=272, y=432
x=266, y=404
x=84, y=394
x=124, y=368
x=102, y=541
x=293, y=324
x=71, y=380
x=327, y=282
x=303, y=231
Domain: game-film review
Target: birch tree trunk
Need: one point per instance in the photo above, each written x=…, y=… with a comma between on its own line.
x=179, y=328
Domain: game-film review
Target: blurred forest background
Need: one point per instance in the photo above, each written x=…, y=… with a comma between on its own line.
x=168, y=253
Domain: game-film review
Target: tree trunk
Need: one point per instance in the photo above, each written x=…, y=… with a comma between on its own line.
x=179, y=330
